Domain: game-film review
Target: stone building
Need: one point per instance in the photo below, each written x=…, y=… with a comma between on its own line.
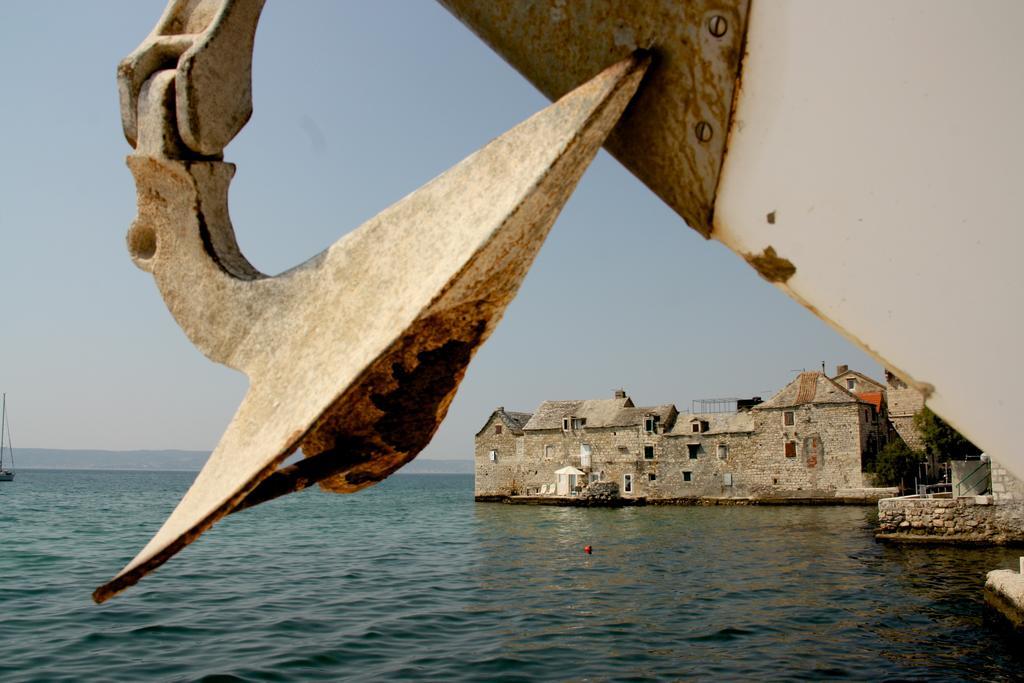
x=904, y=402
x=500, y=451
x=810, y=440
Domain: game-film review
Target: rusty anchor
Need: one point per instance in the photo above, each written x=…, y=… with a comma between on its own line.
x=355, y=355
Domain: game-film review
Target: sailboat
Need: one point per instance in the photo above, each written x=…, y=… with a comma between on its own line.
x=5, y=431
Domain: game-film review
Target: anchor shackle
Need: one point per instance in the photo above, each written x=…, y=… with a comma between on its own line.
x=196, y=65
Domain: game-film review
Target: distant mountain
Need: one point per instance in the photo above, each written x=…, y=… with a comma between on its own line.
x=430, y=466
x=171, y=460
x=59, y=459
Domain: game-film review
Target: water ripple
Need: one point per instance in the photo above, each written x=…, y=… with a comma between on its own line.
x=411, y=580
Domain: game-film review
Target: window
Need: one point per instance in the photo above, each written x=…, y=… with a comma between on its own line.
x=493, y=455
x=687, y=476
x=695, y=427
x=851, y=383
x=867, y=414
x=648, y=452
x=549, y=451
x=627, y=483
x=723, y=451
x=497, y=429
x=585, y=452
x=704, y=425
x=651, y=424
x=579, y=422
x=791, y=449
x=565, y=424
x=874, y=417
x=727, y=479
x=693, y=449
x=595, y=476
x=651, y=476
x=788, y=419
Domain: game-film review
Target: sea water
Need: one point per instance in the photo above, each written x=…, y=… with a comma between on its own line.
x=413, y=580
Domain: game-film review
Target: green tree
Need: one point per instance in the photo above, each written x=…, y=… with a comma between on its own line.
x=940, y=440
x=896, y=465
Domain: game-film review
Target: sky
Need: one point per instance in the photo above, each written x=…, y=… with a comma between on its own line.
x=356, y=104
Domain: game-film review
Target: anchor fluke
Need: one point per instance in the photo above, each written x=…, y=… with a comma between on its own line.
x=355, y=355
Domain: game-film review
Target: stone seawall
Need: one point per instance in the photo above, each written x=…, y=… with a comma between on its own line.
x=583, y=501
x=972, y=519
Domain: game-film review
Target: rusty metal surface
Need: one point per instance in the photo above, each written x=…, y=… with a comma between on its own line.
x=355, y=355
x=673, y=136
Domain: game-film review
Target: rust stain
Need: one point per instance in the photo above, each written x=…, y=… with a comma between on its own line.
x=691, y=81
x=771, y=266
x=732, y=123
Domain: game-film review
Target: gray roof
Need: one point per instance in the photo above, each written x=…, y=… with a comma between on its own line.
x=718, y=423
x=514, y=420
x=608, y=412
x=517, y=420
x=809, y=387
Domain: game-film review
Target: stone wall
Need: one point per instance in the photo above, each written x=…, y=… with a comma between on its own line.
x=709, y=471
x=504, y=476
x=614, y=452
x=842, y=432
x=904, y=401
x=968, y=519
x=1006, y=488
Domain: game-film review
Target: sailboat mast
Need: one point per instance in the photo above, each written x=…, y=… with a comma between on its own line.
x=3, y=424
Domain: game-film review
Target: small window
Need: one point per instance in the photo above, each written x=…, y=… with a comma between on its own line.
x=687, y=476
x=579, y=422
x=874, y=417
x=651, y=424
x=497, y=429
x=595, y=476
x=851, y=383
x=723, y=451
x=695, y=427
x=705, y=425
x=788, y=418
x=693, y=449
x=627, y=483
x=727, y=479
x=565, y=424
x=791, y=449
x=549, y=451
x=651, y=476
x=648, y=452
x=585, y=451
x=493, y=455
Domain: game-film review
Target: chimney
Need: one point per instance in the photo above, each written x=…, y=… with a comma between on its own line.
x=620, y=393
x=840, y=369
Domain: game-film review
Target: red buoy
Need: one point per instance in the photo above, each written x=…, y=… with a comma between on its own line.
x=587, y=549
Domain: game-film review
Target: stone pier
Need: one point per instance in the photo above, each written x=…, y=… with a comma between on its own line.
x=973, y=519
x=1004, y=590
